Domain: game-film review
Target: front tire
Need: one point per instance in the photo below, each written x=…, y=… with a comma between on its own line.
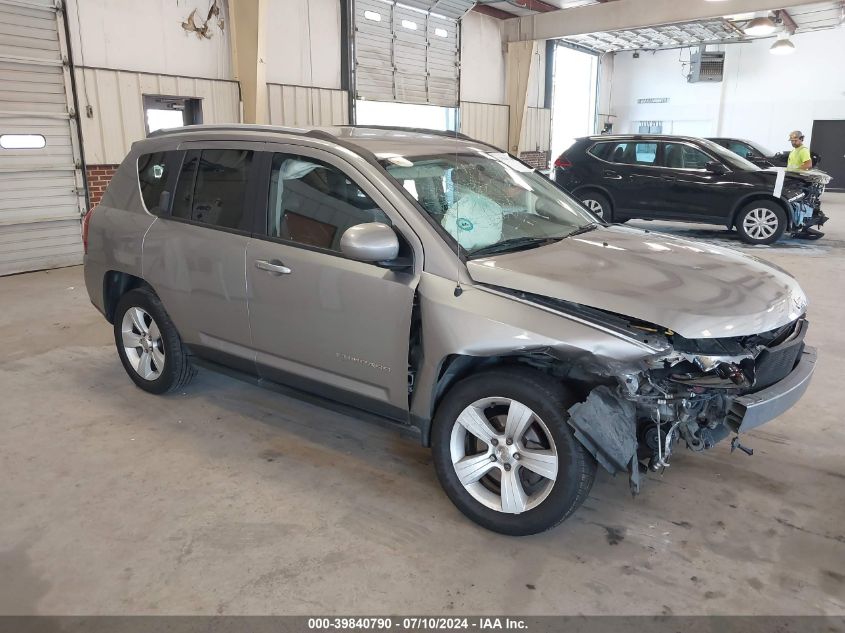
x=761, y=222
x=148, y=343
x=505, y=454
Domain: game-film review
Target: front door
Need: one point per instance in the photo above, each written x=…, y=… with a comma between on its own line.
x=691, y=192
x=828, y=141
x=321, y=322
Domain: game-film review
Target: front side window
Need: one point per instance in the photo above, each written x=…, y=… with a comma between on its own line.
x=313, y=203
x=152, y=177
x=212, y=188
x=680, y=156
x=740, y=148
x=488, y=200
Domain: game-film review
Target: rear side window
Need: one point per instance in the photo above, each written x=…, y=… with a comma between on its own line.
x=152, y=177
x=601, y=150
x=212, y=188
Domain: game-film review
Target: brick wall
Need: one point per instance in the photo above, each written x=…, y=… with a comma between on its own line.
x=538, y=160
x=98, y=178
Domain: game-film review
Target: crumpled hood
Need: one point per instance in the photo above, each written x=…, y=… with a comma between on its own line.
x=697, y=290
x=809, y=176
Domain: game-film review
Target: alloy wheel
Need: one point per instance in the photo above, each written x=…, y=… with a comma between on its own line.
x=760, y=223
x=504, y=455
x=142, y=343
x=594, y=206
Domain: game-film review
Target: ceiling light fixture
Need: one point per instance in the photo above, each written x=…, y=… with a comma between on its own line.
x=783, y=46
x=760, y=27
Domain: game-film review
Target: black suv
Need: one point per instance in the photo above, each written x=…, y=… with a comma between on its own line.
x=758, y=154
x=689, y=179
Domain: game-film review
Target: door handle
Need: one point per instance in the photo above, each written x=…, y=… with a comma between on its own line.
x=609, y=173
x=274, y=266
x=669, y=178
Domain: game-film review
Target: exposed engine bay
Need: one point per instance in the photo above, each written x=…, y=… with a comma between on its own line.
x=687, y=394
x=805, y=204
x=691, y=391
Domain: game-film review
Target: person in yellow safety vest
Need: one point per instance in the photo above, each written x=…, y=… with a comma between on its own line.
x=799, y=157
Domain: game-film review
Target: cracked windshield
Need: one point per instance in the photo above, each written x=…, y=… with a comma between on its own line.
x=489, y=203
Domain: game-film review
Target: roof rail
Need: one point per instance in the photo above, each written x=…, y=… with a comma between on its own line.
x=227, y=127
x=416, y=130
x=278, y=129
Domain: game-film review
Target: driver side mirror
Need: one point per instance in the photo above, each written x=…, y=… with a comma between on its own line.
x=715, y=167
x=370, y=242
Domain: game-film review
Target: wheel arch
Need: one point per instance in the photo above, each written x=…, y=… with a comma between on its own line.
x=116, y=284
x=455, y=367
x=598, y=189
x=755, y=197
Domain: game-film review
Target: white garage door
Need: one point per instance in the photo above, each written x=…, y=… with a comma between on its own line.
x=40, y=187
x=408, y=52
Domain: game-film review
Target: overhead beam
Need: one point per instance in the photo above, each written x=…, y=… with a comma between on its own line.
x=629, y=14
x=492, y=12
x=536, y=5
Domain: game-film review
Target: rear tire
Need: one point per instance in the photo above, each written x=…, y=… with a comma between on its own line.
x=761, y=222
x=598, y=204
x=527, y=486
x=148, y=343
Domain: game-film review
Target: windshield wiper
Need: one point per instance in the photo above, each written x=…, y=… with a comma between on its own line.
x=582, y=229
x=513, y=244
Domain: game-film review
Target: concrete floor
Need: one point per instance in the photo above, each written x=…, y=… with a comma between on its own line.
x=231, y=499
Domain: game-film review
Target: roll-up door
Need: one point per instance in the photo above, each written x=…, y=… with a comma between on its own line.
x=408, y=52
x=41, y=186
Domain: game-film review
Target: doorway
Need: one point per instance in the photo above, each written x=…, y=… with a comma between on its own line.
x=164, y=113
x=828, y=141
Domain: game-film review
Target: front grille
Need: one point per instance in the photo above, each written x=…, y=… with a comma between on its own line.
x=775, y=363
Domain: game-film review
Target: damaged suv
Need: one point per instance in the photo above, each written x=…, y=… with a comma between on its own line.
x=433, y=282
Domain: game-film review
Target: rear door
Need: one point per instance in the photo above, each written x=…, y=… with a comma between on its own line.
x=40, y=166
x=194, y=253
x=629, y=173
x=320, y=322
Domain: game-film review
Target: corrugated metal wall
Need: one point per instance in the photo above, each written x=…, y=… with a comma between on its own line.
x=536, y=130
x=298, y=106
x=486, y=122
x=116, y=98
x=489, y=123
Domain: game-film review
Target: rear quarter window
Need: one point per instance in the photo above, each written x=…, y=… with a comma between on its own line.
x=152, y=178
x=600, y=150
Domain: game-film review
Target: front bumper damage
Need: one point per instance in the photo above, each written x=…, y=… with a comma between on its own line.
x=806, y=212
x=750, y=411
x=646, y=414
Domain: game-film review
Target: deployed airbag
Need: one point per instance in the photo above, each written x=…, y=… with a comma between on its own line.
x=474, y=221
